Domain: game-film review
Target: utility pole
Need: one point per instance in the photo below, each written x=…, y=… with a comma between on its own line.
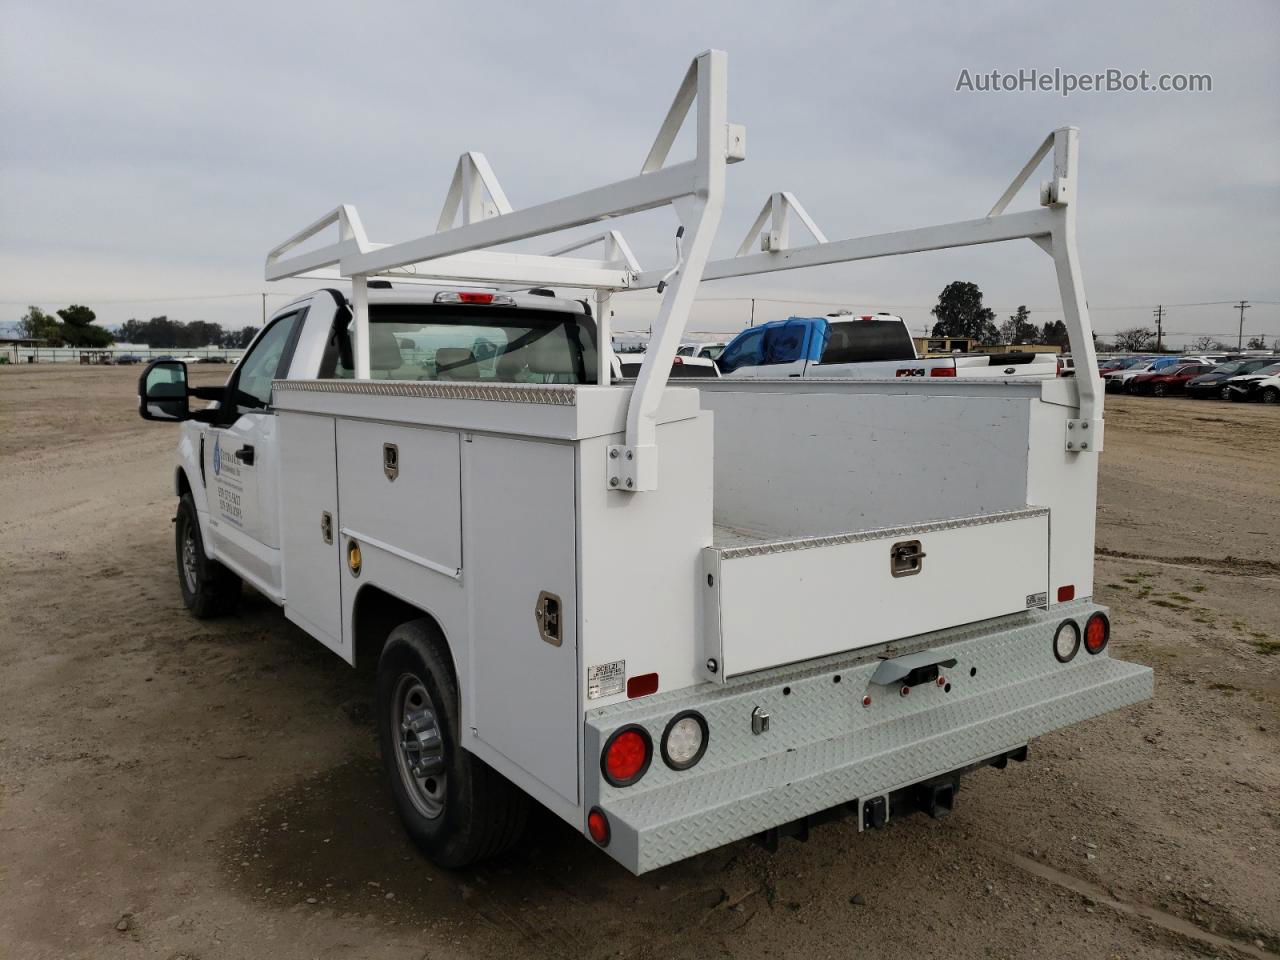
x=1158, y=313
x=1242, y=306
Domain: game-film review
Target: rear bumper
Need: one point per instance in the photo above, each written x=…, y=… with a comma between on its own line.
x=823, y=748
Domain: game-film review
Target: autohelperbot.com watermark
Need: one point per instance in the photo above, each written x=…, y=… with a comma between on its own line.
x=1065, y=83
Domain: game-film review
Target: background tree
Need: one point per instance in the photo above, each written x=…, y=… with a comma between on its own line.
x=1135, y=339
x=1019, y=328
x=78, y=329
x=960, y=313
x=1256, y=343
x=1201, y=344
x=1055, y=334
x=239, y=339
x=38, y=325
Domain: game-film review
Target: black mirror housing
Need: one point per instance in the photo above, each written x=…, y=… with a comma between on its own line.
x=163, y=393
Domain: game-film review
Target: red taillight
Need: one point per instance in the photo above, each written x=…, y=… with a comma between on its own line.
x=678, y=362
x=1097, y=631
x=626, y=756
x=598, y=826
x=475, y=297
x=1067, y=593
x=642, y=685
x=942, y=372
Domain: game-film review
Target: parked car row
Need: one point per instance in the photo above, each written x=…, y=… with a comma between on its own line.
x=1253, y=378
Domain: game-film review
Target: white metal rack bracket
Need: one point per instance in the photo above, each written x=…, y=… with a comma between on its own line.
x=777, y=212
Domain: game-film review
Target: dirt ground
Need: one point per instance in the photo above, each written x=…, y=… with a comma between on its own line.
x=173, y=788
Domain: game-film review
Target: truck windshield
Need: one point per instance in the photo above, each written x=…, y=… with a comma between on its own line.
x=412, y=341
x=864, y=341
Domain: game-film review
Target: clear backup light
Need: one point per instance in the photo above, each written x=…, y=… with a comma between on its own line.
x=1066, y=641
x=685, y=740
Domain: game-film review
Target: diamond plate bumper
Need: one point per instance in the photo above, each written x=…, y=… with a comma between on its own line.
x=823, y=748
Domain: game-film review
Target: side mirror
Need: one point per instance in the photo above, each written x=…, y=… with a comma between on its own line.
x=162, y=391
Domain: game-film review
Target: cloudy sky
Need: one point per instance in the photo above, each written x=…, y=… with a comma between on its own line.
x=152, y=152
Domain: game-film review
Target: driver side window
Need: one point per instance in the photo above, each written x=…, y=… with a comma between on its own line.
x=268, y=360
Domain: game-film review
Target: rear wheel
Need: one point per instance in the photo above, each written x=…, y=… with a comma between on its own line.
x=1160, y=390
x=1269, y=395
x=208, y=588
x=456, y=808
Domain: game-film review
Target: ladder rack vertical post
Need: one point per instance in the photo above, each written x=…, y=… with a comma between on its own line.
x=360, y=317
x=604, y=337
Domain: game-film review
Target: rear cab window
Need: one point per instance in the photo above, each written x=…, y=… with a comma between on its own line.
x=423, y=341
x=865, y=341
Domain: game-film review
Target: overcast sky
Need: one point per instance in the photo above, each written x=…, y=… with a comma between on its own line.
x=158, y=149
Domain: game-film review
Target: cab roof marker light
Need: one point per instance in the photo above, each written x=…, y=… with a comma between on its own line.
x=486, y=299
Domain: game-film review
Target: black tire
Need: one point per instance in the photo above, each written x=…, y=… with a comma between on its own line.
x=475, y=813
x=208, y=588
x=1159, y=390
x=1269, y=395
x=1226, y=393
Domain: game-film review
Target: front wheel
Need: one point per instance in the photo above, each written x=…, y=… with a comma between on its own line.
x=456, y=808
x=1160, y=390
x=1269, y=395
x=208, y=588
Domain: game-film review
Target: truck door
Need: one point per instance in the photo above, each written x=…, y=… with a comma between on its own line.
x=242, y=463
x=785, y=352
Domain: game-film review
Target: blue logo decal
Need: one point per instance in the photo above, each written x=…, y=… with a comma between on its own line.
x=217, y=457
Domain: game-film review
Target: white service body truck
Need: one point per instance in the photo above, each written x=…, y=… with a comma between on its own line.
x=676, y=616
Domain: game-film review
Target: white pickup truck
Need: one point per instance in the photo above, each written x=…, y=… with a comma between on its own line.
x=869, y=347
x=675, y=616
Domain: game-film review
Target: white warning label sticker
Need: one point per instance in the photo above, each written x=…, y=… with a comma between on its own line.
x=1037, y=600
x=606, y=679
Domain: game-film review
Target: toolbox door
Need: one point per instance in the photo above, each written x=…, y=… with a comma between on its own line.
x=520, y=549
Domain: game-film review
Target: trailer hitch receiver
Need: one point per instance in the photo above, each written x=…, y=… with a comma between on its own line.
x=911, y=670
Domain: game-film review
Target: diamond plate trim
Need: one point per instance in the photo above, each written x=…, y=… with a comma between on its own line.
x=553, y=394
x=882, y=533
x=824, y=748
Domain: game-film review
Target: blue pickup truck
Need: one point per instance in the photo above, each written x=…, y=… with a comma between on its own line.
x=870, y=347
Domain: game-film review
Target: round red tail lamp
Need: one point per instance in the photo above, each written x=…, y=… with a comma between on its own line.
x=626, y=755
x=1097, y=632
x=598, y=826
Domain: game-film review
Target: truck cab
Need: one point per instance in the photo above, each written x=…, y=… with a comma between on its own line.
x=228, y=458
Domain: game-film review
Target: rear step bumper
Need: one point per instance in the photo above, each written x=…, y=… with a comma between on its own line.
x=823, y=749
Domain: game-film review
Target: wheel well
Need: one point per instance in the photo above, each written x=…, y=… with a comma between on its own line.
x=376, y=614
x=181, y=484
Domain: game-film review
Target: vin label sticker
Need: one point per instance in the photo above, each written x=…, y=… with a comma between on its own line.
x=606, y=679
x=1037, y=600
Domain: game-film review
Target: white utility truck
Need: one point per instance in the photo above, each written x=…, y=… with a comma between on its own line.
x=676, y=616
